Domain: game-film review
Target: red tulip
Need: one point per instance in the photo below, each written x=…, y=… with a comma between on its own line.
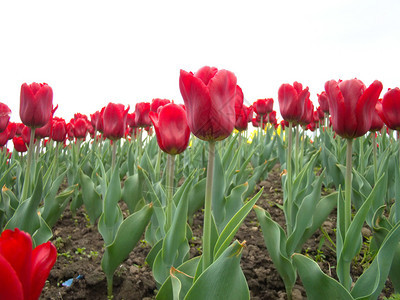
x=23, y=271
x=351, y=105
x=36, y=103
x=142, y=110
x=320, y=113
x=292, y=100
x=391, y=108
x=377, y=123
x=96, y=120
x=3, y=138
x=242, y=120
x=156, y=103
x=172, y=130
x=5, y=112
x=307, y=116
x=263, y=106
x=58, y=130
x=323, y=102
x=114, y=121
x=20, y=127
x=19, y=144
x=79, y=127
x=209, y=97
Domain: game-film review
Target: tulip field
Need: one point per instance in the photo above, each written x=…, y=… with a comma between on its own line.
x=187, y=201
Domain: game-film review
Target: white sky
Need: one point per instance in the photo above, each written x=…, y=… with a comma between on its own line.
x=95, y=52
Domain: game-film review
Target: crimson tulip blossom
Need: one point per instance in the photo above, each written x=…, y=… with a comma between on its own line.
x=239, y=97
x=242, y=119
x=391, y=108
x=323, y=102
x=58, y=130
x=79, y=127
x=142, y=110
x=19, y=144
x=36, y=104
x=172, y=130
x=5, y=112
x=292, y=100
x=209, y=97
x=263, y=106
x=114, y=121
x=307, y=116
x=351, y=106
x=377, y=123
x=96, y=120
x=23, y=271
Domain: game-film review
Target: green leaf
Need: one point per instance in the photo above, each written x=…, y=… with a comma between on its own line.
x=91, y=199
x=318, y=285
x=275, y=240
x=127, y=236
x=223, y=279
x=233, y=226
x=372, y=281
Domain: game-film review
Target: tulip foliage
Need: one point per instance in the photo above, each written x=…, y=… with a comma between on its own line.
x=134, y=185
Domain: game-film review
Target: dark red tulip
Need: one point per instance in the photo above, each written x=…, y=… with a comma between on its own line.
x=307, y=116
x=272, y=118
x=5, y=112
x=96, y=120
x=351, y=106
x=209, y=97
x=323, y=102
x=292, y=100
x=263, y=106
x=130, y=120
x=157, y=102
x=36, y=103
x=20, y=127
x=23, y=271
x=59, y=130
x=19, y=144
x=320, y=112
x=242, y=119
x=114, y=121
x=3, y=138
x=26, y=135
x=377, y=123
x=391, y=108
x=142, y=110
x=172, y=130
x=79, y=127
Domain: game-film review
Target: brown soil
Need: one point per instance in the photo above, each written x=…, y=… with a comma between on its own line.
x=80, y=249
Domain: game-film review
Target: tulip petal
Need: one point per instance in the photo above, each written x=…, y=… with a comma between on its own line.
x=10, y=286
x=206, y=73
x=16, y=248
x=287, y=97
x=222, y=88
x=43, y=259
x=336, y=106
x=197, y=100
x=366, y=107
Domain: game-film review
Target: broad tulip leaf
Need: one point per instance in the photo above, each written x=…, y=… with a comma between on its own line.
x=184, y=274
x=275, y=240
x=318, y=285
x=223, y=279
x=127, y=236
x=372, y=281
x=132, y=192
x=91, y=199
x=233, y=225
x=54, y=207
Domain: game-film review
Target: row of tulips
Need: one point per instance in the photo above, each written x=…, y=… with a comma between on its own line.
x=162, y=210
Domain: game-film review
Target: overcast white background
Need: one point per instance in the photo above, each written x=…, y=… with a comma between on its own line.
x=95, y=52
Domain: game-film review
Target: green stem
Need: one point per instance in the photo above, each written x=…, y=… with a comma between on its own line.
x=31, y=149
x=207, y=251
x=114, y=154
x=297, y=148
x=110, y=287
x=361, y=155
x=289, y=180
x=139, y=137
x=375, y=154
x=170, y=189
x=158, y=164
x=348, y=185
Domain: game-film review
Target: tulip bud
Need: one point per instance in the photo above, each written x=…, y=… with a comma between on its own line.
x=114, y=121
